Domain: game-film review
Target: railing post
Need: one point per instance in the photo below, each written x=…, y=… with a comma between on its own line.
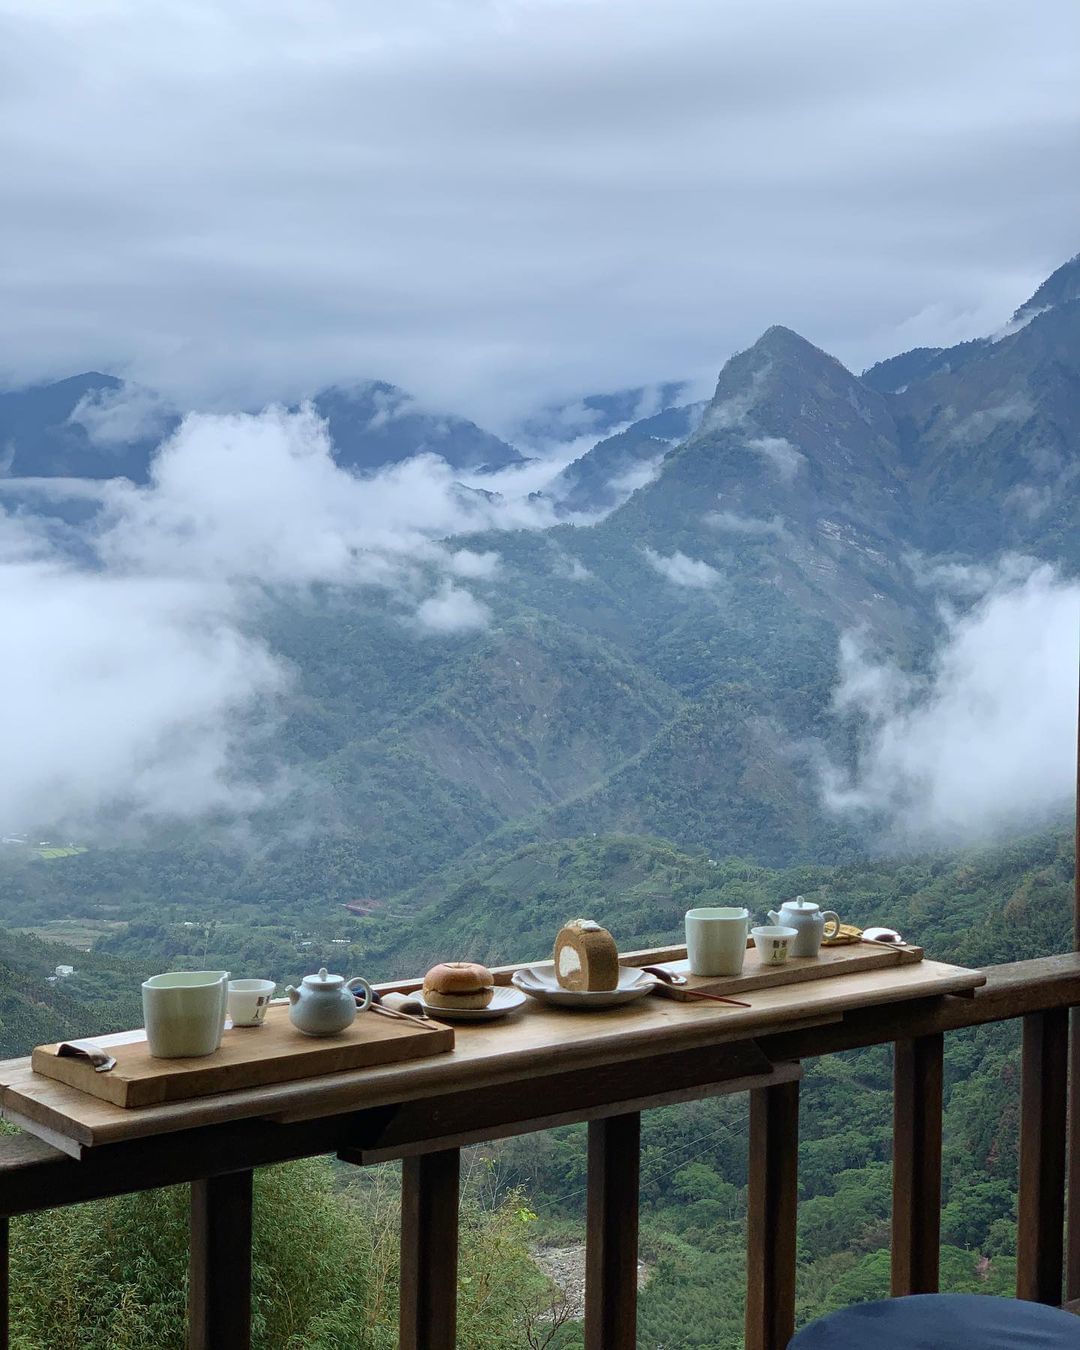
x=916, y=1208
x=5, y=1275
x=772, y=1211
x=1072, y=1213
x=219, y=1287
x=611, y=1248
x=1041, y=1199
x=429, y=1251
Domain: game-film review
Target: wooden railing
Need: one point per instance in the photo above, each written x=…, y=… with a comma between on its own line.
x=218, y=1160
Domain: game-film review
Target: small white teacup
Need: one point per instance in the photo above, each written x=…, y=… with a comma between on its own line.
x=249, y=1000
x=773, y=943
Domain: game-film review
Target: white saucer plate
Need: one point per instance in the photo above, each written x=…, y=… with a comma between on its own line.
x=505, y=1000
x=539, y=982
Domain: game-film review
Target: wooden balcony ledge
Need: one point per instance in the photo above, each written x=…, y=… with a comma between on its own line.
x=547, y=1067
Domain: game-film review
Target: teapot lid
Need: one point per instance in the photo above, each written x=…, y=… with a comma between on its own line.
x=803, y=906
x=324, y=980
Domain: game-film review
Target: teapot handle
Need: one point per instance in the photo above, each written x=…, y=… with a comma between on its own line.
x=368, y=991
x=831, y=917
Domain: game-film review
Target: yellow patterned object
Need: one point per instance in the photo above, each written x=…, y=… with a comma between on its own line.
x=847, y=935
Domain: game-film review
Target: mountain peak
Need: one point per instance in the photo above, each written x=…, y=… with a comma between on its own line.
x=68, y=390
x=1059, y=288
x=90, y=379
x=781, y=367
x=777, y=335
x=778, y=356
x=789, y=432
x=781, y=341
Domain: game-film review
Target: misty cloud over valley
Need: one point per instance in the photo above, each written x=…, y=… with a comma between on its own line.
x=149, y=686
x=140, y=672
x=982, y=742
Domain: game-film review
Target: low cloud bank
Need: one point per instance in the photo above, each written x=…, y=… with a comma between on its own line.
x=636, y=475
x=260, y=499
x=780, y=453
x=981, y=424
x=731, y=522
x=124, y=694
x=116, y=417
x=682, y=570
x=452, y=609
x=986, y=741
x=134, y=684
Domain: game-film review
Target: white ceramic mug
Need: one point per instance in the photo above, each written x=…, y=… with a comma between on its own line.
x=184, y=1011
x=249, y=1000
x=716, y=939
x=773, y=943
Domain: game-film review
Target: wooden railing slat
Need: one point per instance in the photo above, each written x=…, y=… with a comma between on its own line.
x=612, y=1233
x=916, y=1214
x=430, y=1199
x=219, y=1289
x=1072, y=1213
x=1041, y=1193
x=772, y=1204
x=1072, y=1199
x=5, y=1275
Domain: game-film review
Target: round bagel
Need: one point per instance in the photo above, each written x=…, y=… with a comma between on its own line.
x=459, y=984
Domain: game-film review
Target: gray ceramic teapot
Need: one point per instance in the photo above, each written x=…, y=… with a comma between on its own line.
x=324, y=1003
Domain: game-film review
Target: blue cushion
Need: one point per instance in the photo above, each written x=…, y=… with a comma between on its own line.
x=943, y=1322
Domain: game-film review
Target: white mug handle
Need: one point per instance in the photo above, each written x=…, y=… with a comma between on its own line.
x=368, y=992
x=831, y=914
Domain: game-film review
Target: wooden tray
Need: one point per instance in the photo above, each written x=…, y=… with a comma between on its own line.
x=831, y=962
x=249, y=1057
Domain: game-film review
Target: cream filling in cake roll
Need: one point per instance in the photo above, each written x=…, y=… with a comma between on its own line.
x=586, y=957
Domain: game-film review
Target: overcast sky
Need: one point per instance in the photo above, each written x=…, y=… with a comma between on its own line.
x=494, y=202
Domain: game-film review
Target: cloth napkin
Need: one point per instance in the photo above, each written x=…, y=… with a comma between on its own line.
x=88, y=1050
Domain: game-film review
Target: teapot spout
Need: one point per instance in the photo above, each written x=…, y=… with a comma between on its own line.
x=774, y=918
x=292, y=992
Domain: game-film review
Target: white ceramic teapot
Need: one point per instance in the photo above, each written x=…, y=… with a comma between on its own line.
x=809, y=921
x=324, y=1003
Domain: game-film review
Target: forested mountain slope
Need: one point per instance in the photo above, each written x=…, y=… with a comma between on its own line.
x=631, y=456
x=994, y=447
x=37, y=1006
x=989, y=431
x=977, y=907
